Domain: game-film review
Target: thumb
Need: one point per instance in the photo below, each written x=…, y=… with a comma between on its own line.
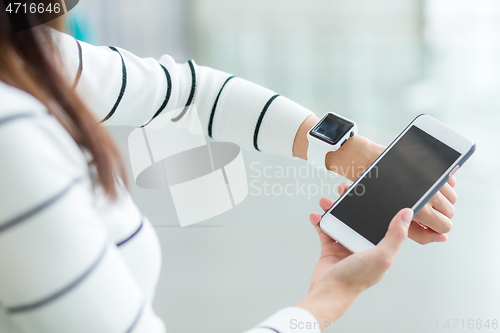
x=397, y=232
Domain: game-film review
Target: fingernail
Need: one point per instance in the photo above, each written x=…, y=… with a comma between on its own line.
x=407, y=216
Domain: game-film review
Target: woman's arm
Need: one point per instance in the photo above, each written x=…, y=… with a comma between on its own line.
x=123, y=89
x=340, y=276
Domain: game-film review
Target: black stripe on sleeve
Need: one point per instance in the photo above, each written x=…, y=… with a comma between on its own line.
x=167, y=97
x=124, y=85
x=210, y=123
x=32, y=212
x=62, y=292
x=131, y=236
x=259, y=122
x=14, y=117
x=80, y=67
x=191, y=94
x=136, y=319
x=269, y=328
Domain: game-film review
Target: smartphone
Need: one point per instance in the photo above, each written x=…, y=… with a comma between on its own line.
x=406, y=175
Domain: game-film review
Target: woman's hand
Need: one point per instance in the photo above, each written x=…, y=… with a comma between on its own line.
x=358, y=153
x=340, y=275
x=432, y=222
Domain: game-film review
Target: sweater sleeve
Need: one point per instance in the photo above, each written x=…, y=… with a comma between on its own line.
x=290, y=320
x=60, y=271
x=123, y=89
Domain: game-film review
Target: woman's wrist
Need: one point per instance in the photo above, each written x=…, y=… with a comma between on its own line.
x=327, y=303
x=354, y=157
x=301, y=143
x=350, y=161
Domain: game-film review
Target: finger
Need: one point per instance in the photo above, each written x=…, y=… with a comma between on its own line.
x=440, y=203
x=452, y=181
x=423, y=235
x=449, y=193
x=315, y=218
x=325, y=203
x=434, y=219
x=342, y=188
x=397, y=232
x=323, y=238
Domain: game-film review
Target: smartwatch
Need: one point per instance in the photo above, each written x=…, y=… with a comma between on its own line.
x=329, y=134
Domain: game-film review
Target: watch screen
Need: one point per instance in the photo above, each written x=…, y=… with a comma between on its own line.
x=400, y=178
x=331, y=129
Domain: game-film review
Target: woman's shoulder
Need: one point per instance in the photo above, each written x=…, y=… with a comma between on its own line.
x=28, y=130
x=15, y=101
x=38, y=156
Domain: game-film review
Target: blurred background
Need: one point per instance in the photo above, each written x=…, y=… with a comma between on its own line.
x=379, y=62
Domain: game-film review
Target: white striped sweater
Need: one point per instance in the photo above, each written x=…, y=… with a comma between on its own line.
x=70, y=261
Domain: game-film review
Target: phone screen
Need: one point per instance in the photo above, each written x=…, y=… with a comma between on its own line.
x=400, y=178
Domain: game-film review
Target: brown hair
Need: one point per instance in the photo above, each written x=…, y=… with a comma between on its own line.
x=28, y=62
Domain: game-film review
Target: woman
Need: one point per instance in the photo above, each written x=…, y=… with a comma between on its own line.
x=76, y=255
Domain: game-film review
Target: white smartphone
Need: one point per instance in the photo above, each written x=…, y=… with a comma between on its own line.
x=406, y=175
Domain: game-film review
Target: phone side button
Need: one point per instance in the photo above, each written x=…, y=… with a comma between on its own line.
x=454, y=170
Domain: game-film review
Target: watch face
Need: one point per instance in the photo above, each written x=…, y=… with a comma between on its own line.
x=331, y=129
